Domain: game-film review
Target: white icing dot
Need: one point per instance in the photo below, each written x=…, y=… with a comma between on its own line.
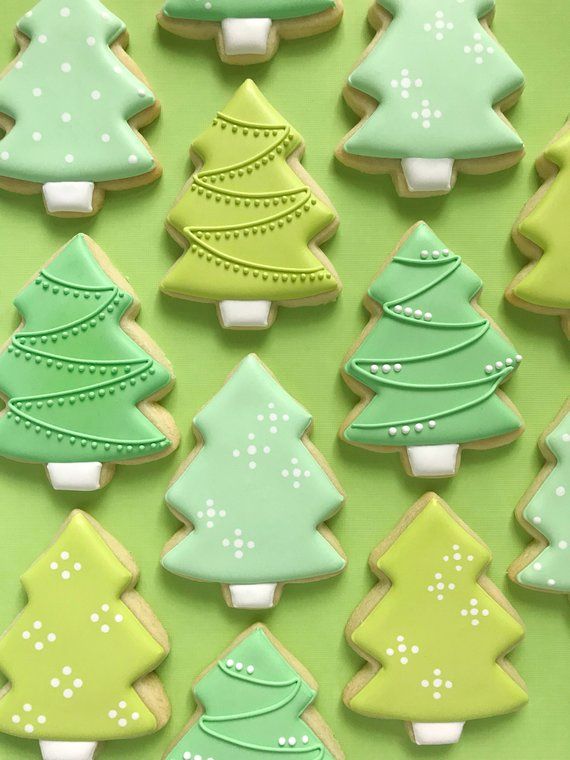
x=133, y=159
x=386, y=368
x=537, y=520
x=105, y=628
x=118, y=618
x=428, y=316
x=252, y=465
x=419, y=427
x=135, y=716
x=563, y=544
x=95, y=95
x=4, y=155
x=122, y=722
x=238, y=554
x=273, y=429
x=390, y=652
x=68, y=693
x=94, y=617
x=26, y=635
x=405, y=429
x=105, y=137
x=38, y=646
x=66, y=117
x=28, y=728
x=374, y=368
x=250, y=669
x=236, y=453
x=37, y=625
x=90, y=41
x=551, y=582
x=282, y=741
x=432, y=424
x=397, y=367
x=16, y=719
x=27, y=708
x=112, y=714
x=425, y=683
x=122, y=704
x=392, y=431
x=251, y=450
x=237, y=532
x=561, y=491
x=65, y=67
x=436, y=695
x=36, y=136
x=251, y=544
x=36, y=92
x=19, y=65
x=55, y=682
x=239, y=665
x=42, y=39
x=51, y=637
x=488, y=368
x=65, y=12
x=70, y=158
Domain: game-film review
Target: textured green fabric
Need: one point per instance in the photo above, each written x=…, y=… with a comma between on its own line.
x=305, y=349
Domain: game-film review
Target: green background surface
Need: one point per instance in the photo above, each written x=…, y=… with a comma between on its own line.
x=305, y=348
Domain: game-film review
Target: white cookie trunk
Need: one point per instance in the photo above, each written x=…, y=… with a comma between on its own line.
x=428, y=174
x=437, y=733
x=75, y=476
x=68, y=196
x=68, y=750
x=245, y=313
x=246, y=36
x=258, y=596
x=433, y=461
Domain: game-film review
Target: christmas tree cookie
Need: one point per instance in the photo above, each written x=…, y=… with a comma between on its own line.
x=431, y=90
x=429, y=365
x=79, y=658
x=542, y=233
x=249, y=31
x=251, y=219
x=435, y=631
x=80, y=377
x=254, y=495
x=71, y=104
x=255, y=702
x=544, y=511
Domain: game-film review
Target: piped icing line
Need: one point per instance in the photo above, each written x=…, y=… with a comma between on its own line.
x=455, y=362
x=265, y=715
x=218, y=10
x=43, y=422
x=302, y=199
x=20, y=348
x=250, y=220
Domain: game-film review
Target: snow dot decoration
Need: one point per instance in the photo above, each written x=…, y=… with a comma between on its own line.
x=405, y=83
x=456, y=557
x=474, y=613
x=294, y=474
x=401, y=651
x=28, y=718
x=478, y=49
x=105, y=618
x=122, y=715
x=437, y=684
x=238, y=544
x=426, y=115
x=65, y=566
x=439, y=26
x=439, y=587
x=37, y=636
x=209, y=514
x=66, y=682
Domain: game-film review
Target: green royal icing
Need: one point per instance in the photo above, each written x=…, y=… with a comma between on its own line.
x=547, y=283
x=247, y=216
x=217, y=10
x=254, y=493
x=253, y=703
x=432, y=361
x=548, y=511
x=73, y=653
x=437, y=633
x=71, y=99
x=73, y=377
x=436, y=73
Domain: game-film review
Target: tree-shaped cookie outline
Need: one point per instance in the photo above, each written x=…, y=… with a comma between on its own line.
x=418, y=459
x=550, y=173
x=263, y=593
x=540, y=543
x=245, y=41
x=83, y=198
x=147, y=686
x=310, y=716
x=260, y=311
x=421, y=732
x=85, y=474
x=419, y=177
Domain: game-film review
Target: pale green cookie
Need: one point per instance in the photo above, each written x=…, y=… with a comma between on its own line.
x=254, y=495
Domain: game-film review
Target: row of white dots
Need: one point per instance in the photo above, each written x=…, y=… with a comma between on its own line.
x=489, y=368
x=415, y=313
x=405, y=429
